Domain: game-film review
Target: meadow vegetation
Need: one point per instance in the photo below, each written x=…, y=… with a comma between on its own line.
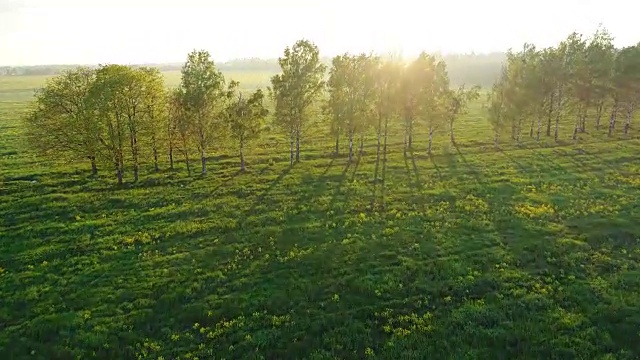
x=457, y=226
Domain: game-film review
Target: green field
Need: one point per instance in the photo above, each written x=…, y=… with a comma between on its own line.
x=526, y=252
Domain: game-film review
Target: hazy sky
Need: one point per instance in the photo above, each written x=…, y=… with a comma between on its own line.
x=144, y=31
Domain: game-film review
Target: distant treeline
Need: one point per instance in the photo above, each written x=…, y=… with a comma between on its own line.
x=470, y=69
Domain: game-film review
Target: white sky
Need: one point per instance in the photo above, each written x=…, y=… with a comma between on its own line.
x=145, y=31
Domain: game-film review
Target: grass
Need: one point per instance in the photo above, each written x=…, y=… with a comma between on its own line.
x=526, y=252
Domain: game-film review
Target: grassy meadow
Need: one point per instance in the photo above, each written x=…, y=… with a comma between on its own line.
x=472, y=253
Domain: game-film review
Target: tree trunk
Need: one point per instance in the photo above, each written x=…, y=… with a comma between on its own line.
x=186, y=160
x=531, y=130
x=405, y=142
x=518, y=131
x=627, y=124
x=612, y=120
x=576, y=128
x=539, y=127
x=121, y=161
x=170, y=156
x=430, y=140
x=118, y=171
x=550, y=115
x=94, y=166
x=361, y=145
x=291, y=150
x=350, y=147
x=599, y=114
x=338, y=144
x=242, y=156
x=203, y=155
x=495, y=140
x=555, y=133
x=558, y=113
x=298, y=146
x=453, y=138
x=155, y=157
x=134, y=153
x=384, y=148
x=203, y=158
x=379, y=134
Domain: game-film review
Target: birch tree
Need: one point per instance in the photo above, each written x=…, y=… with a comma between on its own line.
x=108, y=97
x=388, y=83
x=246, y=116
x=296, y=89
x=457, y=104
x=497, y=107
x=627, y=83
x=154, y=104
x=601, y=57
x=204, y=95
x=61, y=124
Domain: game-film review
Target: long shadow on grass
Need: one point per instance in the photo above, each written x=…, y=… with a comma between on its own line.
x=341, y=180
x=375, y=181
x=418, y=182
x=436, y=166
x=511, y=159
x=329, y=166
x=259, y=199
x=472, y=169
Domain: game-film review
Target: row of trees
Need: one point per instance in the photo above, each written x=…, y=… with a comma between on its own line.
x=580, y=80
x=365, y=92
x=119, y=115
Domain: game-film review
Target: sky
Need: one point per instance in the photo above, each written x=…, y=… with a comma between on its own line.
x=40, y=32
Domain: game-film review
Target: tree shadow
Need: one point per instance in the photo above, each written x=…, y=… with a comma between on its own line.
x=520, y=167
x=384, y=182
x=418, y=182
x=260, y=198
x=450, y=159
x=472, y=169
x=355, y=167
x=405, y=156
x=329, y=166
x=436, y=167
x=375, y=182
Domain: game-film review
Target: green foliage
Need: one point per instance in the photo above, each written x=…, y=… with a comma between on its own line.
x=352, y=94
x=246, y=118
x=296, y=89
x=535, y=244
x=61, y=123
x=204, y=96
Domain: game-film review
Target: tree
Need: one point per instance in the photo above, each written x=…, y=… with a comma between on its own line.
x=515, y=94
x=109, y=103
x=204, y=94
x=458, y=101
x=388, y=82
x=351, y=94
x=178, y=128
x=600, y=59
x=62, y=124
x=627, y=85
x=155, y=110
x=580, y=84
x=336, y=106
x=497, y=107
x=435, y=97
x=246, y=117
x=297, y=88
